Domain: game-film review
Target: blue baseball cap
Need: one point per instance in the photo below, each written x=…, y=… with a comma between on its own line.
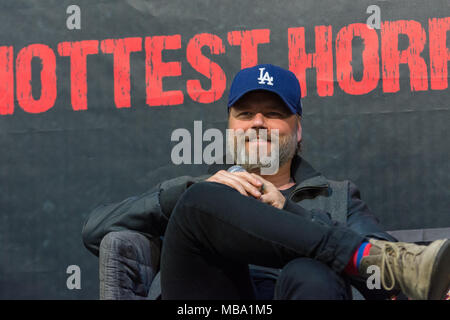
x=270, y=78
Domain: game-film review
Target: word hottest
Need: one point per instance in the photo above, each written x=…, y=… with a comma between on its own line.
x=380, y=51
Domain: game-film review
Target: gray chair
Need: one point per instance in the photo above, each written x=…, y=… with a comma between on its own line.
x=128, y=265
x=129, y=262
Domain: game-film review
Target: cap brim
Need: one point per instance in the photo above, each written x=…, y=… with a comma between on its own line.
x=235, y=99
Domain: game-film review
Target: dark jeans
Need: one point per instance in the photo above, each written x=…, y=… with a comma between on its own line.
x=302, y=279
x=214, y=232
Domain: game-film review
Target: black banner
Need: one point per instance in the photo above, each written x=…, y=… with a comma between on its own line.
x=91, y=92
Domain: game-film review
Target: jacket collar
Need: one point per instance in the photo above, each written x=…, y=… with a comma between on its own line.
x=303, y=173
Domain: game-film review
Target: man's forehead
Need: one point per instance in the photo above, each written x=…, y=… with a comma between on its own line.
x=261, y=98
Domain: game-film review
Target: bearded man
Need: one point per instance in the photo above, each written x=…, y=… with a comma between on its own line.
x=291, y=234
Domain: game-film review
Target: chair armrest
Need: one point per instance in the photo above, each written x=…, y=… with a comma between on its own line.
x=128, y=262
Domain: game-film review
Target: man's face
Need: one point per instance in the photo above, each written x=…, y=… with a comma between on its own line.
x=266, y=110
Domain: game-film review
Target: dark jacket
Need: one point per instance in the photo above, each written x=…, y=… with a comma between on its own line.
x=149, y=212
x=327, y=201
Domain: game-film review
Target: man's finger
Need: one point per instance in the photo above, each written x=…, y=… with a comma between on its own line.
x=271, y=199
x=266, y=186
x=254, y=180
x=231, y=183
x=249, y=188
x=267, y=198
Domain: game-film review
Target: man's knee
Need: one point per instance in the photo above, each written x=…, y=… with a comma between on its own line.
x=200, y=197
x=305, y=278
x=201, y=192
x=204, y=195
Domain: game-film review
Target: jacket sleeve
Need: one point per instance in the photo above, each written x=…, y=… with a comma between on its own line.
x=147, y=213
x=361, y=219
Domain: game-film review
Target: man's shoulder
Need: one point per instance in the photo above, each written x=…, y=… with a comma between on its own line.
x=166, y=184
x=346, y=186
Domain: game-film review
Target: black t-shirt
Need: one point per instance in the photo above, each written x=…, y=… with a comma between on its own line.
x=288, y=191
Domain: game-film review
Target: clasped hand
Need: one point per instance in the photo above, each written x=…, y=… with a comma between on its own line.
x=251, y=185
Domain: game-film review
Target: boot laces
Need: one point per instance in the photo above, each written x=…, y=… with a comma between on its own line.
x=395, y=251
x=387, y=250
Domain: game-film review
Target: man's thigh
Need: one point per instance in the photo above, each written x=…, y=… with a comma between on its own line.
x=309, y=279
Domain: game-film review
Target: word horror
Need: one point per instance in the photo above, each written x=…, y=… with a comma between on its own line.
x=380, y=58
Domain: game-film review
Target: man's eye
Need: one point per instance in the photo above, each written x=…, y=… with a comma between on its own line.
x=245, y=114
x=274, y=115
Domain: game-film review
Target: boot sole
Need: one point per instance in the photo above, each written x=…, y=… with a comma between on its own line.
x=440, y=279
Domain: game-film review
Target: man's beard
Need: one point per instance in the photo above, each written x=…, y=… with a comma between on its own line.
x=287, y=147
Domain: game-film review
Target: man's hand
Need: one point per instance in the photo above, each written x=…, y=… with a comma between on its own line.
x=271, y=194
x=244, y=182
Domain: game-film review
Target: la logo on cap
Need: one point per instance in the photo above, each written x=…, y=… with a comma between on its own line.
x=266, y=77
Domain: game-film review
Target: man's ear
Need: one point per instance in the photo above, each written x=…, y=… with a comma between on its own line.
x=299, y=129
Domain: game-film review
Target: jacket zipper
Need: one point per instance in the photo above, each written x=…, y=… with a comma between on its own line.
x=306, y=188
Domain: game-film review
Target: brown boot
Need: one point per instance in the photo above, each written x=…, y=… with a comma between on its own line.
x=420, y=272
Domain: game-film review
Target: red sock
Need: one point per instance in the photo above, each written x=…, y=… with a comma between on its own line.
x=353, y=263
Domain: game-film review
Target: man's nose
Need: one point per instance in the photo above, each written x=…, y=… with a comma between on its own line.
x=258, y=121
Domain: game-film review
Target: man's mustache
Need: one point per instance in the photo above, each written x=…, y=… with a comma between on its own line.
x=258, y=136
x=257, y=139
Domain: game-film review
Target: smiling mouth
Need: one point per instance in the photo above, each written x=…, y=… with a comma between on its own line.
x=257, y=140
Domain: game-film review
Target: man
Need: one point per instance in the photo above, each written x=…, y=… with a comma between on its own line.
x=303, y=236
